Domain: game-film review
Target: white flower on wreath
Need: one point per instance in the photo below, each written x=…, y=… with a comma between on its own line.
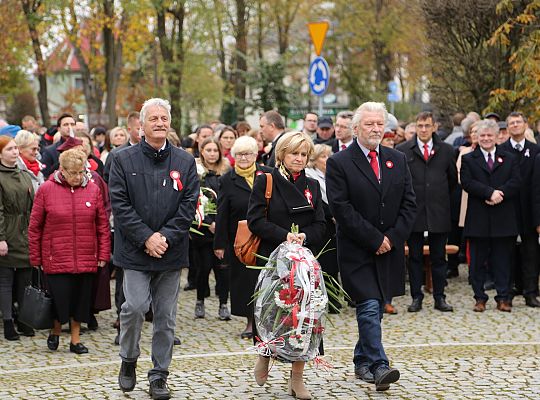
x=296, y=341
x=318, y=300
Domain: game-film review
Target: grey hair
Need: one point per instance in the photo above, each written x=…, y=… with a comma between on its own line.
x=25, y=138
x=345, y=114
x=318, y=151
x=156, y=101
x=370, y=106
x=244, y=143
x=487, y=125
x=466, y=124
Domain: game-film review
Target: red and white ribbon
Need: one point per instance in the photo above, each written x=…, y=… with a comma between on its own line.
x=177, y=183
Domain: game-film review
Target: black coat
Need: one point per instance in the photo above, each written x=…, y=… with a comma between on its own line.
x=535, y=192
x=269, y=158
x=524, y=207
x=144, y=201
x=479, y=182
x=365, y=211
x=288, y=205
x=49, y=158
x=433, y=181
x=233, y=199
x=110, y=158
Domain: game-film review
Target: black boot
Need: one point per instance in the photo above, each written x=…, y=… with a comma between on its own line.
x=127, y=378
x=25, y=330
x=9, y=330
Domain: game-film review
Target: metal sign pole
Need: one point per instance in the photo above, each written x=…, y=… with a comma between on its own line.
x=321, y=107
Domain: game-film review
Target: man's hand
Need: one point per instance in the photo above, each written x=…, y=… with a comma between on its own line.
x=3, y=248
x=385, y=246
x=497, y=197
x=156, y=245
x=220, y=253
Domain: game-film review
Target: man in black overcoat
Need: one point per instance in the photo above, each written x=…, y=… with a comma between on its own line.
x=491, y=177
x=525, y=269
x=371, y=197
x=434, y=177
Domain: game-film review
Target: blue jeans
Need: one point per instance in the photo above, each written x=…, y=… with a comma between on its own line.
x=369, y=350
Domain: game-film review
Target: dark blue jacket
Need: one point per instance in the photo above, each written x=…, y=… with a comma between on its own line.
x=144, y=201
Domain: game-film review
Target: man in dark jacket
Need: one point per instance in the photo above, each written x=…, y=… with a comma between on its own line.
x=491, y=178
x=50, y=154
x=370, y=194
x=525, y=269
x=154, y=190
x=434, y=176
x=272, y=129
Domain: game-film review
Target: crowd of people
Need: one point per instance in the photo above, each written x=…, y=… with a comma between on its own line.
x=139, y=202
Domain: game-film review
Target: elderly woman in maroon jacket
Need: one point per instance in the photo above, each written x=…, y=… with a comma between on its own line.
x=69, y=238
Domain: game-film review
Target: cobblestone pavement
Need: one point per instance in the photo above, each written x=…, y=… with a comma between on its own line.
x=460, y=355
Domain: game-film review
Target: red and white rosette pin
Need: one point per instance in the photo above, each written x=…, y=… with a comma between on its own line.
x=389, y=164
x=309, y=196
x=177, y=183
x=499, y=160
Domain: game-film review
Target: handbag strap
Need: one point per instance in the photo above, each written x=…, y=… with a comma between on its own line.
x=268, y=191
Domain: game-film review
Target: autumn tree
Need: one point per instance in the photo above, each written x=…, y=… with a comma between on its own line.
x=35, y=17
x=522, y=21
x=465, y=68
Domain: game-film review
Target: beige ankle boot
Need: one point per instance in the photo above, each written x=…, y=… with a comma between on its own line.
x=297, y=388
x=261, y=370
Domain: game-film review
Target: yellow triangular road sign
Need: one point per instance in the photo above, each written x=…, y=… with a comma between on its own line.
x=317, y=31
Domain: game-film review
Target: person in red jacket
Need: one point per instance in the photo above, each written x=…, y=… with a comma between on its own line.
x=69, y=238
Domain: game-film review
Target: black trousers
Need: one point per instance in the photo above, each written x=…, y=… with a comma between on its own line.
x=204, y=261
x=526, y=268
x=497, y=252
x=437, y=256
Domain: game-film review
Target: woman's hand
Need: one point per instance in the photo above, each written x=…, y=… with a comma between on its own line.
x=3, y=248
x=220, y=253
x=212, y=227
x=101, y=264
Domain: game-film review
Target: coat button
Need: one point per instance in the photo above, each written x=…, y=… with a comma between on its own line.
x=382, y=204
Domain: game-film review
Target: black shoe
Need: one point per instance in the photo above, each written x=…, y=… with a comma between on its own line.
x=177, y=341
x=416, y=305
x=9, y=330
x=384, y=376
x=452, y=273
x=159, y=390
x=53, y=341
x=78, y=348
x=92, y=323
x=25, y=330
x=246, y=335
x=442, y=305
x=532, y=301
x=127, y=377
x=364, y=373
x=190, y=286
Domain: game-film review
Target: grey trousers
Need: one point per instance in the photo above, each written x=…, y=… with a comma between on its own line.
x=140, y=289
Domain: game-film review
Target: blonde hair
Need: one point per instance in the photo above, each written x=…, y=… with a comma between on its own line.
x=73, y=158
x=319, y=150
x=291, y=142
x=25, y=138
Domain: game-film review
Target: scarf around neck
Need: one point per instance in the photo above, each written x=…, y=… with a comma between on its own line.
x=32, y=165
x=248, y=173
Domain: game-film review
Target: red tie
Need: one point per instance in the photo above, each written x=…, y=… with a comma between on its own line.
x=374, y=163
x=343, y=147
x=426, y=152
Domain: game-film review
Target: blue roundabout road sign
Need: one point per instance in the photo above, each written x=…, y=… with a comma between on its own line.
x=319, y=75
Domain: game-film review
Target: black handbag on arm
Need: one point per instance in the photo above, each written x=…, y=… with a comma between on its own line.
x=36, y=309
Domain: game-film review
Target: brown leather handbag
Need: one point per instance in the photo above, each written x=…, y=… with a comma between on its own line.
x=246, y=244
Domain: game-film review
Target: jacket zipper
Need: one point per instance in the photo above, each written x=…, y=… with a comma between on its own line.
x=73, y=228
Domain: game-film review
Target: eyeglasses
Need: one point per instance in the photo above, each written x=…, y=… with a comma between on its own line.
x=244, y=155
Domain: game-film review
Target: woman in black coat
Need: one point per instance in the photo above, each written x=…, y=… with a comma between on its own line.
x=296, y=199
x=211, y=166
x=234, y=191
